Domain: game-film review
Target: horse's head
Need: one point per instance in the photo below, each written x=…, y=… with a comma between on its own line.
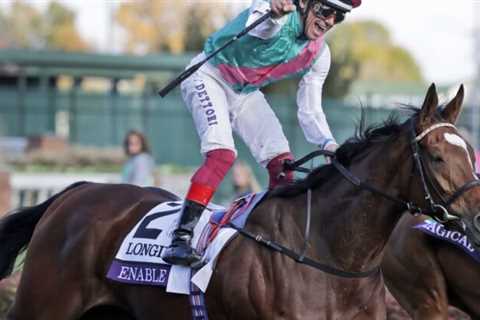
x=446, y=165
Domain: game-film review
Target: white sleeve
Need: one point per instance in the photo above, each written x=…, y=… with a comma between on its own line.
x=309, y=100
x=269, y=28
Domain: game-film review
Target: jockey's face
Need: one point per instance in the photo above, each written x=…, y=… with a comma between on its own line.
x=316, y=24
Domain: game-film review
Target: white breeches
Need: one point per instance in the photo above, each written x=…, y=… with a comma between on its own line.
x=217, y=110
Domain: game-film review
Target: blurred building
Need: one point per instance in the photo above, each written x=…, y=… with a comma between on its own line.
x=90, y=99
x=93, y=99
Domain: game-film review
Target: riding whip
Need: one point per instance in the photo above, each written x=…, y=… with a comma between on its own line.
x=188, y=72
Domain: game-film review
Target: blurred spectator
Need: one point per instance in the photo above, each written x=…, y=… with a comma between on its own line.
x=243, y=179
x=140, y=166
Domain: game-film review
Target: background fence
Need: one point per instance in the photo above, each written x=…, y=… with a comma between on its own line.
x=95, y=119
x=31, y=188
x=32, y=102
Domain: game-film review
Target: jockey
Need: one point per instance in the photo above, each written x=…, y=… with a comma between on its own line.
x=224, y=96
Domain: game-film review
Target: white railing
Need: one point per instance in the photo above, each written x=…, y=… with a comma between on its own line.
x=32, y=188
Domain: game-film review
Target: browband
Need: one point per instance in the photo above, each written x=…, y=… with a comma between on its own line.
x=435, y=126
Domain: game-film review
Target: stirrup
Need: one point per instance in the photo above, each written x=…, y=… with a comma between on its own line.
x=180, y=253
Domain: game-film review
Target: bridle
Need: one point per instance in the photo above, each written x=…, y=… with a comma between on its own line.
x=441, y=212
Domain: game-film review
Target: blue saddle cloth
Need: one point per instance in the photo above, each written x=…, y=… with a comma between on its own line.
x=242, y=206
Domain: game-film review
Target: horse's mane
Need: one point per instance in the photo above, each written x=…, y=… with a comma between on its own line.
x=363, y=139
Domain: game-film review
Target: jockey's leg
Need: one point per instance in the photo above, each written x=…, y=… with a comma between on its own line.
x=204, y=184
x=255, y=122
x=275, y=170
x=209, y=101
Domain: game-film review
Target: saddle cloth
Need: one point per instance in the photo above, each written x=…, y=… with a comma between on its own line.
x=138, y=260
x=459, y=239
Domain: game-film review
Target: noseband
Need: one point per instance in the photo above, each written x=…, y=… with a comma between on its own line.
x=438, y=211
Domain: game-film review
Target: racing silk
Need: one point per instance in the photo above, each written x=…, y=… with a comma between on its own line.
x=253, y=62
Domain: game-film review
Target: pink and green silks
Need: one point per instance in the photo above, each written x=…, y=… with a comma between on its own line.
x=251, y=63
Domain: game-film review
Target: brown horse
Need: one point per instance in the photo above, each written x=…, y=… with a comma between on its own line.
x=355, y=204
x=426, y=274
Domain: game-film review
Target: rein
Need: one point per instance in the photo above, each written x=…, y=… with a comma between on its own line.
x=300, y=258
x=437, y=211
x=296, y=166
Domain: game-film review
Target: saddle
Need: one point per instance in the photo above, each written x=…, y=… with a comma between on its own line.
x=138, y=259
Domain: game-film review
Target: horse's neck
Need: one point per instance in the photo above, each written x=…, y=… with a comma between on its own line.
x=351, y=226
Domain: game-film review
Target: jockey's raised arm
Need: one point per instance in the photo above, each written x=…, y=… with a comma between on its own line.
x=270, y=27
x=309, y=99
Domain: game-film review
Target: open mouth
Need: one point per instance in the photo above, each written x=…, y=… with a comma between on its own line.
x=319, y=28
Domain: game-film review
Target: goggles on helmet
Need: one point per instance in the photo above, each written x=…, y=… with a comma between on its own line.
x=322, y=10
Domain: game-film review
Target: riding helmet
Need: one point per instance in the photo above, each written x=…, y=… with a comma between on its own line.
x=342, y=5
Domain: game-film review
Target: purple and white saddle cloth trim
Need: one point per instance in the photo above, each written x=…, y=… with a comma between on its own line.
x=239, y=218
x=138, y=260
x=211, y=250
x=459, y=239
x=197, y=302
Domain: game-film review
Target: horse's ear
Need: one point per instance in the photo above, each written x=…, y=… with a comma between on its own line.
x=452, y=109
x=429, y=105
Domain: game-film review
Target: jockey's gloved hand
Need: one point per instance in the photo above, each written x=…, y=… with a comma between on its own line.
x=330, y=147
x=281, y=7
